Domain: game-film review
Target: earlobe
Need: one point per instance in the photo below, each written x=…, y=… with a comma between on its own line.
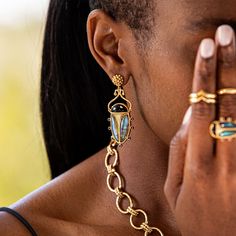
x=103, y=40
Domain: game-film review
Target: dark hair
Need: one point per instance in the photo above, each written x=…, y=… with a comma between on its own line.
x=75, y=90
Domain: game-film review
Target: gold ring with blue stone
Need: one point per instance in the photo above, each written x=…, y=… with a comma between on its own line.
x=223, y=129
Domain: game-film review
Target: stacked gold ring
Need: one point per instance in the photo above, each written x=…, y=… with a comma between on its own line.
x=209, y=97
x=202, y=96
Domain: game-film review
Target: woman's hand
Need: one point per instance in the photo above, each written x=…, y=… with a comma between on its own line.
x=201, y=181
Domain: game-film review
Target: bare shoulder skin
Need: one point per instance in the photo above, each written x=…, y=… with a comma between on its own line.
x=75, y=203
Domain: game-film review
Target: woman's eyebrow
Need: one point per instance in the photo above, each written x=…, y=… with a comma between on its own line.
x=206, y=23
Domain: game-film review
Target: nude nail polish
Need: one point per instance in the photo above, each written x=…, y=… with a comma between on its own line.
x=207, y=48
x=225, y=35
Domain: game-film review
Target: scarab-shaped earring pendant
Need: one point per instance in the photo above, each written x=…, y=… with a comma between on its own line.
x=120, y=118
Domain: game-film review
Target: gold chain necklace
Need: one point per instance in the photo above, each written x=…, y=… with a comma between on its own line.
x=120, y=125
x=121, y=195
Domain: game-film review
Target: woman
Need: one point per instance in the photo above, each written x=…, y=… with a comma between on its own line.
x=178, y=174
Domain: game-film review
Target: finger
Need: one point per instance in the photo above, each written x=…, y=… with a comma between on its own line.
x=177, y=154
x=201, y=144
x=225, y=41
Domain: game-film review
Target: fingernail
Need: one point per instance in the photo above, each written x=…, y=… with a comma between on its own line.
x=187, y=115
x=207, y=48
x=225, y=35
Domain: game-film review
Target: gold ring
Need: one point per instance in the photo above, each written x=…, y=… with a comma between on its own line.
x=202, y=96
x=223, y=129
x=226, y=91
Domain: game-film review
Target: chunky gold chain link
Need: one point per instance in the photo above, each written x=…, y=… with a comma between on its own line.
x=121, y=194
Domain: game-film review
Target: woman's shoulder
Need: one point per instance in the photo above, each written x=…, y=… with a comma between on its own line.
x=60, y=206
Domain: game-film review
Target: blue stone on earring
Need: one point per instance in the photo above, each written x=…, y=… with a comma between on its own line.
x=120, y=122
x=114, y=129
x=124, y=127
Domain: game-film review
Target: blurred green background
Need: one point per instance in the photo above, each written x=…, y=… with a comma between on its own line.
x=23, y=161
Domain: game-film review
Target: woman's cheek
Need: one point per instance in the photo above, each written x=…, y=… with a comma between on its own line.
x=172, y=80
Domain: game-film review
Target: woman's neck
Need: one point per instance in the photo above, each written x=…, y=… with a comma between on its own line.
x=144, y=164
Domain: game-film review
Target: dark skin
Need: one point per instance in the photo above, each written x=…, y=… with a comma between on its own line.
x=186, y=181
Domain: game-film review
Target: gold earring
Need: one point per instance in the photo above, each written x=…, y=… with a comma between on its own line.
x=120, y=117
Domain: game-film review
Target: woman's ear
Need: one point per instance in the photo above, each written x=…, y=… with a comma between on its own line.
x=104, y=39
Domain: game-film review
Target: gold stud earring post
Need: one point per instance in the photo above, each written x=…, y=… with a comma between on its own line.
x=118, y=80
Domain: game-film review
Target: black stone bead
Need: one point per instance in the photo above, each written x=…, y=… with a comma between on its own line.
x=119, y=108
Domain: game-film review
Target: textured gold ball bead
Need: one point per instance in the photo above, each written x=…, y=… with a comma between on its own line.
x=118, y=80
